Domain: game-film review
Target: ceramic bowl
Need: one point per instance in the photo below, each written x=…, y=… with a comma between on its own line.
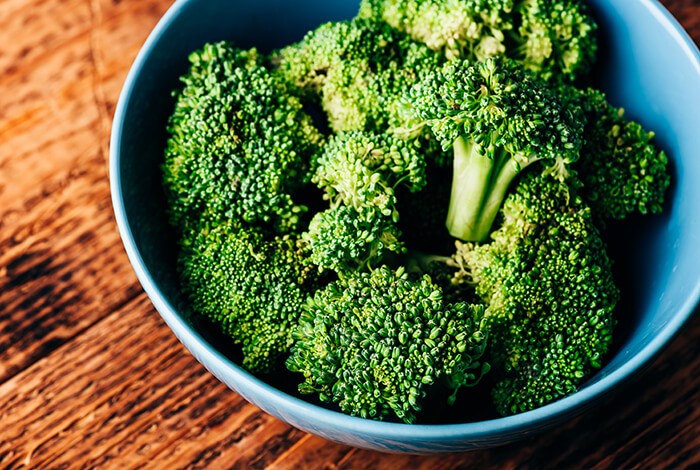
x=647, y=64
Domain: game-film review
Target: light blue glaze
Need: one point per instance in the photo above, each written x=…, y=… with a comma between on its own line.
x=649, y=66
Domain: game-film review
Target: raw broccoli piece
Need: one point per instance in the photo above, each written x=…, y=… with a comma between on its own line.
x=359, y=173
x=362, y=168
x=550, y=294
x=555, y=38
x=358, y=71
x=346, y=239
x=239, y=144
x=250, y=285
x=378, y=343
x=468, y=29
x=498, y=118
x=621, y=169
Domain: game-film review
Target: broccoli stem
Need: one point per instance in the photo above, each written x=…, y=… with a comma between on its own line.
x=479, y=185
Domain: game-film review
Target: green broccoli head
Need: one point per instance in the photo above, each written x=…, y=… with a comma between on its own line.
x=250, y=285
x=498, y=118
x=376, y=342
x=363, y=168
x=359, y=173
x=547, y=281
x=621, y=169
x=346, y=239
x=239, y=145
x=468, y=29
x=357, y=70
x=555, y=38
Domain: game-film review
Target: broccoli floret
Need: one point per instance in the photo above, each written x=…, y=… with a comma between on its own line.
x=555, y=38
x=358, y=71
x=547, y=281
x=468, y=29
x=621, y=169
x=239, y=145
x=346, y=239
x=498, y=119
x=362, y=168
x=376, y=342
x=250, y=285
x=359, y=173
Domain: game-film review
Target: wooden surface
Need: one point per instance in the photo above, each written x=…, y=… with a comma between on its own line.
x=89, y=374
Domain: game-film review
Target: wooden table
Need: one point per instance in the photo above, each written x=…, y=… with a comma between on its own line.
x=89, y=374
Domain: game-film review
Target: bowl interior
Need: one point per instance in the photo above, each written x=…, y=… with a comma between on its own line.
x=646, y=64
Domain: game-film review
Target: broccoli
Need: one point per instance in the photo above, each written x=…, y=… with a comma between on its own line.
x=376, y=342
x=332, y=251
x=546, y=279
x=358, y=71
x=239, y=145
x=345, y=239
x=360, y=172
x=239, y=148
x=555, y=38
x=498, y=119
x=621, y=169
x=250, y=285
x=467, y=29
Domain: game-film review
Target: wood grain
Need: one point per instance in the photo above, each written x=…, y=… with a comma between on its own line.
x=90, y=377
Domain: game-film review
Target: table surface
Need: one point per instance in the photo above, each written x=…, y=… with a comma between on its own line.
x=90, y=376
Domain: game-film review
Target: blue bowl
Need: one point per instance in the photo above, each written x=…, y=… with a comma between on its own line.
x=648, y=65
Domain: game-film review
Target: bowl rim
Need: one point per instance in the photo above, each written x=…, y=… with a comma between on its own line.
x=206, y=354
